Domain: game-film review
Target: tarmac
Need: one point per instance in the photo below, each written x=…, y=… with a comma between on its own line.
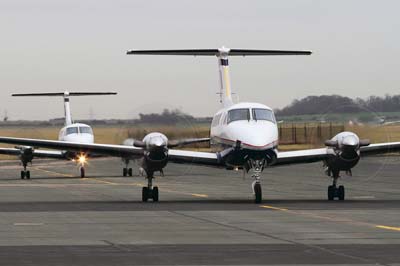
x=205, y=216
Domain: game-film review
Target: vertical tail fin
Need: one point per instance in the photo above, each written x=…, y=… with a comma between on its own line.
x=224, y=77
x=66, y=95
x=67, y=109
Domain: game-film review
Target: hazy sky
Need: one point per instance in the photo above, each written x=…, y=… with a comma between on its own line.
x=50, y=46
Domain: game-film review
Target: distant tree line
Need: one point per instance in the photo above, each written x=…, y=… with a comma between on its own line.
x=170, y=117
x=340, y=104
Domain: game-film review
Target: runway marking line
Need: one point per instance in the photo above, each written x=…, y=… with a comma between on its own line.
x=51, y=172
x=343, y=220
x=388, y=227
x=27, y=224
x=273, y=208
x=199, y=195
x=121, y=184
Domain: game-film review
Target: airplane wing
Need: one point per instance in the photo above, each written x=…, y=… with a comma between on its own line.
x=195, y=157
x=36, y=153
x=97, y=149
x=303, y=156
x=380, y=148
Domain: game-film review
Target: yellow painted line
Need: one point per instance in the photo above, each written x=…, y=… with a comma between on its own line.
x=199, y=195
x=52, y=172
x=102, y=181
x=27, y=224
x=388, y=227
x=273, y=208
x=333, y=219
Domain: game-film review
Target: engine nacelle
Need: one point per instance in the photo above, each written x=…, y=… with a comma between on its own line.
x=346, y=147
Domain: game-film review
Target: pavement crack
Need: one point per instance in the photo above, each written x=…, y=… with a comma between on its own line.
x=116, y=246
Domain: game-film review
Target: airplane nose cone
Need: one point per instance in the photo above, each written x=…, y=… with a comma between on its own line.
x=350, y=141
x=157, y=142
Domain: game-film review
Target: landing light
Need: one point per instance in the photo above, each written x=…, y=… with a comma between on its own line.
x=82, y=159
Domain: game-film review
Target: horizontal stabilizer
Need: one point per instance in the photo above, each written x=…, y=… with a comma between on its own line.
x=64, y=94
x=216, y=52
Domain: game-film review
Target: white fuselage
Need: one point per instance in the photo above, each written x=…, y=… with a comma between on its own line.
x=252, y=133
x=76, y=132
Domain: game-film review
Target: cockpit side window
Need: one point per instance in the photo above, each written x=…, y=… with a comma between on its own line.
x=72, y=130
x=263, y=114
x=238, y=114
x=85, y=130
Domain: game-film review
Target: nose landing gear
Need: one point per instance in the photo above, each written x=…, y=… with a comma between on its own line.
x=24, y=173
x=150, y=192
x=257, y=166
x=334, y=191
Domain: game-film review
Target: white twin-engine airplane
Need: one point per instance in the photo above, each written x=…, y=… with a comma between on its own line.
x=71, y=132
x=245, y=136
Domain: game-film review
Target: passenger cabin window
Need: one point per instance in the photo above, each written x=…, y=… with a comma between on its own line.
x=238, y=114
x=72, y=130
x=85, y=130
x=263, y=114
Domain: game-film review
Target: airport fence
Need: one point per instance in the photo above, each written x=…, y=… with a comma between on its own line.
x=308, y=133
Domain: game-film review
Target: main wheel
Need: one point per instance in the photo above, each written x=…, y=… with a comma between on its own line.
x=331, y=192
x=130, y=171
x=341, y=192
x=124, y=171
x=22, y=174
x=82, y=172
x=28, y=175
x=155, y=194
x=145, y=194
x=258, y=193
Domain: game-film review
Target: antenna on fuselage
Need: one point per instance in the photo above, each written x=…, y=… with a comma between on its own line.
x=65, y=95
x=222, y=54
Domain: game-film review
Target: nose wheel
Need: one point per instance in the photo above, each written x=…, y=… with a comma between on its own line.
x=82, y=171
x=335, y=191
x=25, y=173
x=150, y=192
x=257, y=193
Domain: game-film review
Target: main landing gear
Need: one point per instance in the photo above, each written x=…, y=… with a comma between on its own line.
x=24, y=173
x=126, y=171
x=150, y=192
x=334, y=191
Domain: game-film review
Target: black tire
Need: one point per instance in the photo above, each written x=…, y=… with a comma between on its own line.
x=341, y=192
x=124, y=171
x=82, y=172
x=28, y=175
x=155, y=194
x=145, y=194
x=331, y=193
x=130, y=171
x=258, y=193
x=22, y=174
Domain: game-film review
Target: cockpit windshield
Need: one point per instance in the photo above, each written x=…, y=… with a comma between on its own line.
x=72, y=130
x=85, y=130
x=238, y=114
x=263, y=114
